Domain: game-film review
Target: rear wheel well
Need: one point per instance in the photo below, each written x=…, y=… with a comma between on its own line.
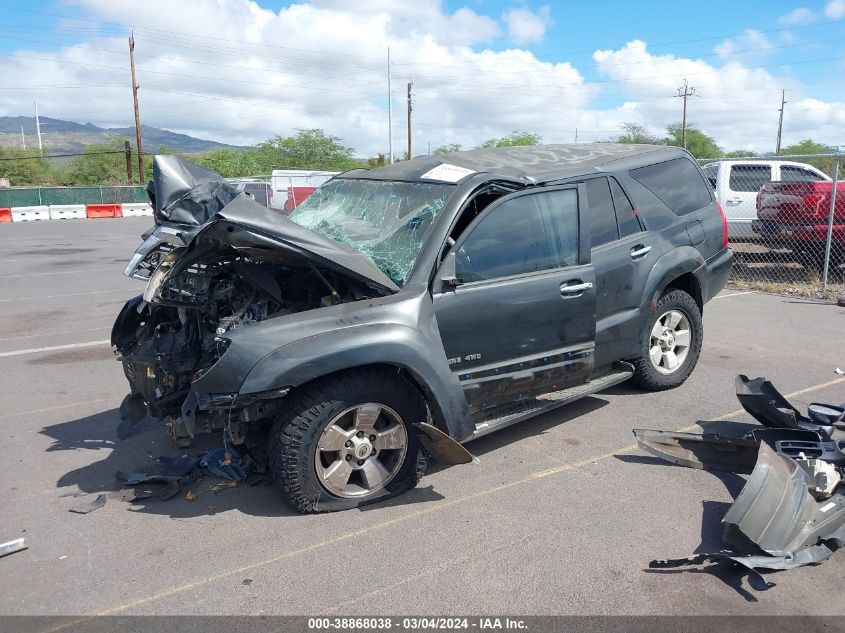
x=689, y=284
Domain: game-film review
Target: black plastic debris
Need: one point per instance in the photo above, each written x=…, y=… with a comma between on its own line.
x=791, y=511
x=85, y=508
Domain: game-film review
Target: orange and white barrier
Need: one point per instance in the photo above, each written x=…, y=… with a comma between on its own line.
x=67, y=212
x=136, y=209
x=75, y=212
x=30, y=214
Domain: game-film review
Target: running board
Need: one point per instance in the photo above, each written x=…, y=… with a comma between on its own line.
x=546, y=402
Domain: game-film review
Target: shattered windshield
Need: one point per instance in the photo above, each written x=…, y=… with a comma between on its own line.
x=386, y=221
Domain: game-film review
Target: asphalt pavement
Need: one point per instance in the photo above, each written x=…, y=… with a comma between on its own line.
x=561, y=515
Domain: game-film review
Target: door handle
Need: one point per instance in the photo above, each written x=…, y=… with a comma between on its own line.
x=640, y=251
x=734, y=201
x=574, y=289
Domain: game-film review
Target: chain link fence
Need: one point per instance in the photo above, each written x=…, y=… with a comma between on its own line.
x=786, y=220
x=37, y=196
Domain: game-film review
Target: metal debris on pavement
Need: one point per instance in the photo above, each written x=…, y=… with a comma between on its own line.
x=85, y=508
x=12, y=546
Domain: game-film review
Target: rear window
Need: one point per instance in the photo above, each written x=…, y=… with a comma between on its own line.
x=677, y=183
x=788, y=173
x=749, y=178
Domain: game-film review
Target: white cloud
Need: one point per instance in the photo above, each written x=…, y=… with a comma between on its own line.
x=835, y=9
x=232, y=71
x=735, y=103
x=750, y=46
x=525, y=26
x=797, y=17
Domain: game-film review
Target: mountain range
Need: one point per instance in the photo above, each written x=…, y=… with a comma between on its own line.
x=63, y=137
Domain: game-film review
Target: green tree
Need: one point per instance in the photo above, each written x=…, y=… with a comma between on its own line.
x=231, y=163
x=740, y=153
x=24, y=167
x=698, y=143
x=447, y=148
x=634, y=133
x=100, y=165
x=809, y=146
x=512, y=140
x=307, y=149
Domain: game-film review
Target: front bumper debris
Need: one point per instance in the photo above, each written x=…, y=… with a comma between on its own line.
x=791, y=511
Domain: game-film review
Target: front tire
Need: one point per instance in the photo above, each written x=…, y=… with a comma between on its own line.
x=348, y=440
x=671, y=343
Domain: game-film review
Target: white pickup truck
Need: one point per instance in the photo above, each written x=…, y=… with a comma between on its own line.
x=737, y=182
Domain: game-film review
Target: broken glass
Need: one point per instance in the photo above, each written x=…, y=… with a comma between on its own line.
x=386, y=221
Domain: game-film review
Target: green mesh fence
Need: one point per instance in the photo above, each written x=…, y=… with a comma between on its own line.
x=29, y=197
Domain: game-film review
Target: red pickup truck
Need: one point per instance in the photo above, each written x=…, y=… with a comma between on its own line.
x=796, y=214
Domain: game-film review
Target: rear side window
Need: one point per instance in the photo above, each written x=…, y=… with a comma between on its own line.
x=788, y=173
x=529, y=233
x=749, y=178
x=711, y=172
x=602, y=217
x=626, y=215
x=677, y=183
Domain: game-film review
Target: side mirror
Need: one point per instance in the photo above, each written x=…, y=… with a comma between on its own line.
x=448, y=277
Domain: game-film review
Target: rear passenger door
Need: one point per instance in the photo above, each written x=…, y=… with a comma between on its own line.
x=740, y=203
x=519, y=319
x=621, y=257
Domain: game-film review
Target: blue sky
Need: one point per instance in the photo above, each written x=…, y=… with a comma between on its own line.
x=535, y=65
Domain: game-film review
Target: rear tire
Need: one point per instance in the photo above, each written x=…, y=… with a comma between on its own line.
x=671, y=343
x=322, y=454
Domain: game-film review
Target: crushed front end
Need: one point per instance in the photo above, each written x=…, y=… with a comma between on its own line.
x=237, y=264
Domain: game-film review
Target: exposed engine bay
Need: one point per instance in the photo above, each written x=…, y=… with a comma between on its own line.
x=169, y=337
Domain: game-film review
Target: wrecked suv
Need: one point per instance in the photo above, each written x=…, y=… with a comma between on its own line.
x=402, y=311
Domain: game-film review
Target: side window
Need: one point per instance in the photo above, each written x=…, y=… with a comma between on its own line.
x=626, y=215
x=749, y=177
x=789, y=173
x=711, y=172
x=677, y=183
x=603, y=227
x=537, y=231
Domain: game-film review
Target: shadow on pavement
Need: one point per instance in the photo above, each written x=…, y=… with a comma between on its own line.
x=149, y=448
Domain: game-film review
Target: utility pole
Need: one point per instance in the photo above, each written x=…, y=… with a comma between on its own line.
x=38, y=130
x=137, y=114
x=685, y=92
x=23, y=139
x=127, y=150
x=576, y=135
x=389, y=109
x=410, y=109
x=783, y=102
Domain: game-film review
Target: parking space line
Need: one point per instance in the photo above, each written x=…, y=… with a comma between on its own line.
x=735, y=294
x=57, y=272
x=43, y=334
x=57, y=407
x=166, y=593
x=71, y=294
x=31, y=259
x=54, y=348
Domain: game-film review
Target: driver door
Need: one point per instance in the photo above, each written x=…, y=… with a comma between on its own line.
x=517, y=314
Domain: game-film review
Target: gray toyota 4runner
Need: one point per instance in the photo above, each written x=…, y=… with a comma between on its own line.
x=400, y=312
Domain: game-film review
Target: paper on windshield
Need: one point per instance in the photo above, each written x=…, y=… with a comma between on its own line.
x=447, y=173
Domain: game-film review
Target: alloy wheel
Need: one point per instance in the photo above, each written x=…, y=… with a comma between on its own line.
x=361, y=450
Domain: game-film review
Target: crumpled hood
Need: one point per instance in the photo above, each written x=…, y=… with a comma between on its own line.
x=186, y=194
x=262, y=228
